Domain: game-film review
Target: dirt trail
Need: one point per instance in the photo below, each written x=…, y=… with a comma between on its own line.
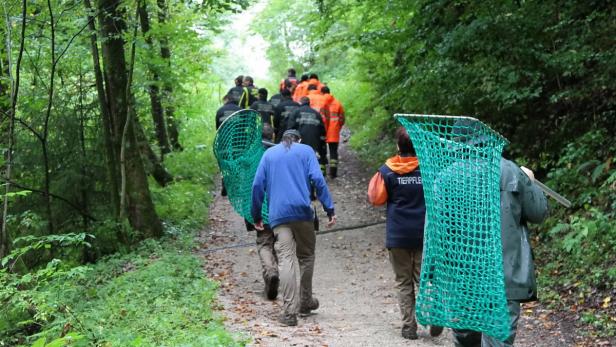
x=353, y=280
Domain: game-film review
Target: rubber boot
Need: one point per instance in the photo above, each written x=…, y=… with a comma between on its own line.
x=333, y=168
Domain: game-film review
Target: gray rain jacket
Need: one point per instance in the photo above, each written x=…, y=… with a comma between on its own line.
x=521, y=202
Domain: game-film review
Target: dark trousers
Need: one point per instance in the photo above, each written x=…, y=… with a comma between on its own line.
x=333, y=158
x=333, y=151
x=469, y=338
x=322, y=154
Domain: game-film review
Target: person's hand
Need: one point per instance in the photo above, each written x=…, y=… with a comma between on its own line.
x=528, y=173
x=259, y=225
x=331, y=221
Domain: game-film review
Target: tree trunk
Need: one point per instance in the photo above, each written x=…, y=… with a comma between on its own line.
x=153, y=165
x=165, y=53
x=83, y=182
x=5, y=131
x=140, y=209
x=113, y=170
x=44, y=142
x=157, y=108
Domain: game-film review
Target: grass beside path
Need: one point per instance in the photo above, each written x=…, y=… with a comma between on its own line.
x=154, y=295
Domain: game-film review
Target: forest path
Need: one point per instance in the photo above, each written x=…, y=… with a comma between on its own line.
x=353, y=280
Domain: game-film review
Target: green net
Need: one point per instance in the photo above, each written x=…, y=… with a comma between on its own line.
x=238, y=150
x=462, y=281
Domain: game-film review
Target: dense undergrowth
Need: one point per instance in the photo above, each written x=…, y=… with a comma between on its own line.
x=153, y=295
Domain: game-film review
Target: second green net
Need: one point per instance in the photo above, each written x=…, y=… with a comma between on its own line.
x=462, y=280
x=238, y=148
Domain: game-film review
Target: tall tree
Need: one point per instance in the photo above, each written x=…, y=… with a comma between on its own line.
x=165, y=53
x=113, y=171
x=153, y=90
x=139, y=207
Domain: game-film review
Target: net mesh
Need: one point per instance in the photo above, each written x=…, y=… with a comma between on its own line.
x=238, y=150
x=462, y=281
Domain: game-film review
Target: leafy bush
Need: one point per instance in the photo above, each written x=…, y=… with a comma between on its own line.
x=154, y=296
x=577, y=250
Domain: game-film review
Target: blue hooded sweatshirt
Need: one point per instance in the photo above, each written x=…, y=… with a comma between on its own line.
x=285, y=174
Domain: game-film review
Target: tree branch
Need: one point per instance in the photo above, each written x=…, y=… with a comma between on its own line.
x=43, y=193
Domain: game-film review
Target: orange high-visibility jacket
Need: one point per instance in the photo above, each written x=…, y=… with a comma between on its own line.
x=317, y=83
x=335, y=122
x=320, y=103
x=300, y=91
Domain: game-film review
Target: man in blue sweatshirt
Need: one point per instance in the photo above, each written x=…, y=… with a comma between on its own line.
x=286, y=173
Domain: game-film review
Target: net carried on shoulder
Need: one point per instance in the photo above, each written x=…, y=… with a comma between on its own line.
x=238, y=148
x=462, y=280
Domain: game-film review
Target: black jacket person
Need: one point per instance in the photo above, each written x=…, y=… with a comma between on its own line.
x=265, y=109
x=249, y=94
x=282, y=112
x=222, y=114
x=311, y=127
x=236, y=92
x=226, y=110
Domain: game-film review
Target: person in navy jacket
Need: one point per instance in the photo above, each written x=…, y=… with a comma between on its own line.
x=286, y=173
x=398, y=183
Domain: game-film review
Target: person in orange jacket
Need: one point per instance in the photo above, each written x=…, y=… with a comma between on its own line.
x=291, y=79
x=333, y=125
x=302, y=88
x=319, y=102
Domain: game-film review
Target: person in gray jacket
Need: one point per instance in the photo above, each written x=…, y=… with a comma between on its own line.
x=521, y=202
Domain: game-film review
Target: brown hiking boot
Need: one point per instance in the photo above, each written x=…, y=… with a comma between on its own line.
x=409, y=333
x=435, y=330
x=271, y=287
x=287, y=320
x=308, y=306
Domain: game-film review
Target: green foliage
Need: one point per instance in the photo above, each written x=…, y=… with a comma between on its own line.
x=156, y=295
x=68, y=340
x=34, y=243
x=577, y=253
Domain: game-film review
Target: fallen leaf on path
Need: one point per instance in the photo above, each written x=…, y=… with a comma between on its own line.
x=606, y=302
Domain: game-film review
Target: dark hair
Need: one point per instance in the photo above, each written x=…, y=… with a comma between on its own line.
x=249, y=79
x=405, y=146
x=285, y=92
x=304, y=78
x=312, y=87
x=290, y=136
x=313, y=75
x=325, y=90
x=262, y=93
x=238, y=80
x=291, y=72
x=287, y=83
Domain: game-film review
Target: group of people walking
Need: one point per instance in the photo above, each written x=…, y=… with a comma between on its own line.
x=291, y=174
x=304, y=104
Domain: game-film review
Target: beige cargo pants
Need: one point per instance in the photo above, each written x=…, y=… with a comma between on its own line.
x=406, y=264
x=265, y=248
x=295, y=246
